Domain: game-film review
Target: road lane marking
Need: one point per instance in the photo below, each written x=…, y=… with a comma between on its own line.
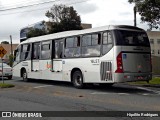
x=105, y=93
x=145, y=94
x=123, y=93
x=147, y=89
x=43, y=86
x=100, y=93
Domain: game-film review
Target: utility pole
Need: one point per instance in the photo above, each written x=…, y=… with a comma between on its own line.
x=135, y=17
x=11, y=50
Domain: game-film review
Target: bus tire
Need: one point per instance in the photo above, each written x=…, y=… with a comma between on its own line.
x=24, y=75
x=77, y=79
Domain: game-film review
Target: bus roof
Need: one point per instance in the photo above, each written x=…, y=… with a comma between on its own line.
x=79, y=32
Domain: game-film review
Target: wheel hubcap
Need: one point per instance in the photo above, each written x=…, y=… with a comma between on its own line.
x=24, y=76
x=78, y=80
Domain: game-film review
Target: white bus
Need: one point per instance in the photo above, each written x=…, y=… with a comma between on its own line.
x=104, y=55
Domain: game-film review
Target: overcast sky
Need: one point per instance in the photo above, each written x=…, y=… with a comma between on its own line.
x=96, y=12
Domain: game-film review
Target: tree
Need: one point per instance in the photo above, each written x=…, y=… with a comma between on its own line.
x=34, y=32
x=149, y=11
x=63, y=18
x=4, y=42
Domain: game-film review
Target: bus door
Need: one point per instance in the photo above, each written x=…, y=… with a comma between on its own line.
x=57, y=67
x=45, y=64
x=35, y=60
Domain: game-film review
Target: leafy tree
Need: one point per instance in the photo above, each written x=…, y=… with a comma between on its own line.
x=4, y=42
x=63, y=18
x=149, y=11
x=34, y=32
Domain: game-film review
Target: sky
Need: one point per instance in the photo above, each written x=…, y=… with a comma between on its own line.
x=95, y=12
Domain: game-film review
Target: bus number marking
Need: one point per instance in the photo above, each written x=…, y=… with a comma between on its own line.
x=24, y=64
x=95, y=61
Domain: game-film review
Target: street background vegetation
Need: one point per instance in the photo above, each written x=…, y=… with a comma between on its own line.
x=5, y=85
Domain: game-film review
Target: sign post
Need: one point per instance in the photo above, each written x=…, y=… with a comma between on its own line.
x=2, y=71
x=2, y=53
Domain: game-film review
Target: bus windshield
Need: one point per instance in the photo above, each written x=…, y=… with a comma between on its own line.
x=131, y=38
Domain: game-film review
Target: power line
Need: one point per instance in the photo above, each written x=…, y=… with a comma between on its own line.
x=18, y=3
x=44, y=8
x=29, y=5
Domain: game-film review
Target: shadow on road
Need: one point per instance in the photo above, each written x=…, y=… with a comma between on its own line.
x=123, y=88
x=116, y=88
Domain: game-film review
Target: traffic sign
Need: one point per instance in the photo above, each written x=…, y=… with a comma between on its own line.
x=2, y=51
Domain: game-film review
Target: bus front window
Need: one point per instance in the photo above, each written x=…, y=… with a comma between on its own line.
x=16, y=56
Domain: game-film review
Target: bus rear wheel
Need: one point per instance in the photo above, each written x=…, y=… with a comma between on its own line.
x=24, y=75
x=77, y=80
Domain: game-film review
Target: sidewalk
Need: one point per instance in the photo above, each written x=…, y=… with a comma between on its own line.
x=151, y=86
x=156, y=75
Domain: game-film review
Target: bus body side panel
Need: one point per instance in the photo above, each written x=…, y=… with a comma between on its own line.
x=48, y=73
x=35, y=71
x=90, y=71
x=16, y=70
x=107, y=67
x=94, y=69
x=23, y=65
x=27, y=66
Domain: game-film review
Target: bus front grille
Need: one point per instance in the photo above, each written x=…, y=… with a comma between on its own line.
x=106, y=71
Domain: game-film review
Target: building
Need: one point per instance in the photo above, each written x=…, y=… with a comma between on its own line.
x=86, y=25
x=7, y=47
x=154, y=38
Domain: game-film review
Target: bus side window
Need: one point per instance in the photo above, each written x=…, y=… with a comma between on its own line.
x=25, y=53
x=77, y=49
x=78, y=41
x=17, y=55
x=59, y=49
x=36, y=51
x=72, y=47
x=110, y=38
x=96, y=39
x=45, y=50
x=91, y=45
x=107, y=42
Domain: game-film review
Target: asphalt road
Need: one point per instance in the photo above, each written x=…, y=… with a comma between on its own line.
x=39, y=95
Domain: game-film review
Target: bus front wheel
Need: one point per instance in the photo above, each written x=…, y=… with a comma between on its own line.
x=77, y=80
x=24, y=75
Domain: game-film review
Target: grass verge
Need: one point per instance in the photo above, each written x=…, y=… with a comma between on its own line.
x=154, y=81
x=4, y=85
